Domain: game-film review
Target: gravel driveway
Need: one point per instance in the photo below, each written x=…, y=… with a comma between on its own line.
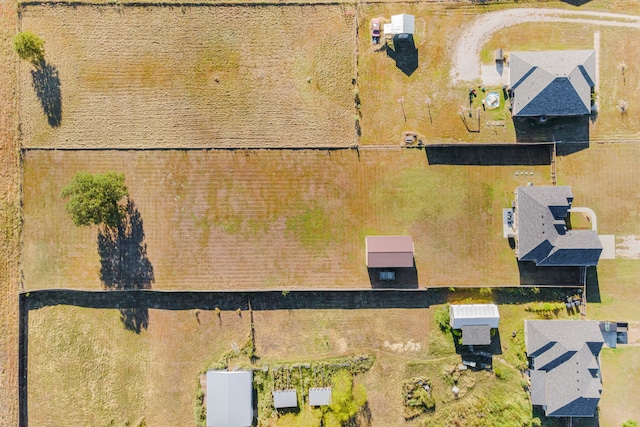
x=466, y=57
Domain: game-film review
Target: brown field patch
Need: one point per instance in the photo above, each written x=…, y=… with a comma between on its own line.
x=213, y=77
x=278, y=219
x=10, y=221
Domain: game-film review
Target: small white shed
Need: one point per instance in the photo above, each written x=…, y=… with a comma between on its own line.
x=402, y=24
x=285, y=399
x=474, y=315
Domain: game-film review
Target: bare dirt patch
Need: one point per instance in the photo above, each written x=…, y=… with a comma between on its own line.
x=278, y=219
x=215, y=77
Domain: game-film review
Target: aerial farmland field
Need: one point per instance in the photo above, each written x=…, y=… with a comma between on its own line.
x=278, y=219
x=190, y=77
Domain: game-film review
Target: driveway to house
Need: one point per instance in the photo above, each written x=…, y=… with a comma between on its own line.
x=466, y=53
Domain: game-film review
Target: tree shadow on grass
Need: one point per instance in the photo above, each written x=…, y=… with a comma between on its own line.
x=124, y=264
x=46, y=83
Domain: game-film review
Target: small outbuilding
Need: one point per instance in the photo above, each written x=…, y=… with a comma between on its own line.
x=229, y=398
x=320, y=396
x=475, y=321
x=389, y=251
x=285, y=399
x=402, y=24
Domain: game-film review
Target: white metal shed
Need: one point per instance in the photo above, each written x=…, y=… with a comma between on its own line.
x=285, y=399
x=474, y=315
x=403, y=24
x=229, y=398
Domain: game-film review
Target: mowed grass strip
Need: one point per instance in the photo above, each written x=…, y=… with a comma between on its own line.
x=278, y=219
x=193, y=76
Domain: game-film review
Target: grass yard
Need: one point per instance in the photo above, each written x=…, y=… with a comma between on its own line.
x=278, y=219
x=94, y=371
x=216, y=77
x=620, y=372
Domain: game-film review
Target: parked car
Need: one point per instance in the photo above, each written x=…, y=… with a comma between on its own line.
x=375, y=30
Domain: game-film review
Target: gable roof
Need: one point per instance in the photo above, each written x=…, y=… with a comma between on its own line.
x=542, y=233
x=389, y=251
x=565, y=374
x=473, y=315
x=229, y=399
x=552, y=83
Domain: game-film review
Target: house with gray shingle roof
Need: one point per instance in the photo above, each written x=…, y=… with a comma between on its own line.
x=541, y=231
x=551, y=83
x=564, y=366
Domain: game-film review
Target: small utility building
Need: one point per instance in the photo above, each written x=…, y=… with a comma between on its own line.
x=229, y=399
x=320, y=396
x=285, y=399
x=402, y=24
x=389, y=251
x=475, y=321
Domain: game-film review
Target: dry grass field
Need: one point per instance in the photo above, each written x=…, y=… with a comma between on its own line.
x=92, y=371
x=278, y=219
x=9, y=221
x=213, y=77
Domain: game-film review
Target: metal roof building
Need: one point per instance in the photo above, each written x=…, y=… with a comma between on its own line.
x=473, y=315
x=402, y=24
x=229, y=399
x=320, y=396
x=285, y=399
x=389, y=251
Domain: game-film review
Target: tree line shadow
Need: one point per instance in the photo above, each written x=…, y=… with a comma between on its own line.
x=46, y=82
x=124, y=264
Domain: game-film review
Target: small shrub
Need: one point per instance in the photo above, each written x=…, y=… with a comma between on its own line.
x=285, y=293
x=217, y=311
x=29, y=46
x=501, y=371
x=442, y=318
x=630, y=423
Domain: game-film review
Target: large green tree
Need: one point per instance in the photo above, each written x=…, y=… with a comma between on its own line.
x=29, y=46
x=95, y=198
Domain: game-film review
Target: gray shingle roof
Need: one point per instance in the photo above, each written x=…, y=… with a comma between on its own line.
x=542, y=233
x=565, y=375
x=552, y=83
x=476, y=335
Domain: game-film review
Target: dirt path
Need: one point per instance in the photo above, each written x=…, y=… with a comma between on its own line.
x=466, y=54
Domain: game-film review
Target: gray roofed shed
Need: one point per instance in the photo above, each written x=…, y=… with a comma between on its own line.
x=565, y=375
x=541, y=231
x=320, y=396
x=552, y=83
x=285, y=399
x=476, y=335
x=229, y=399
x=389, y=251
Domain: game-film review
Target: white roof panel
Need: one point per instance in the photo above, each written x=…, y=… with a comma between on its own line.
x=474, y=315
x=320, y=396
x=285, y=399
x=402, y=24
x=229, y=399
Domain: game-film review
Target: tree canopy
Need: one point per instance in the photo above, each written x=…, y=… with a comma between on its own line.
x=94, y=198
x=29, y=46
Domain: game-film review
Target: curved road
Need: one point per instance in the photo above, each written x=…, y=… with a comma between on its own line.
x=466, y=53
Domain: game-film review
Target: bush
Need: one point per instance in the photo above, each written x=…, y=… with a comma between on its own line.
x=630, y=423
x=346, y=400
x=29, y=46
x=442, y=318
